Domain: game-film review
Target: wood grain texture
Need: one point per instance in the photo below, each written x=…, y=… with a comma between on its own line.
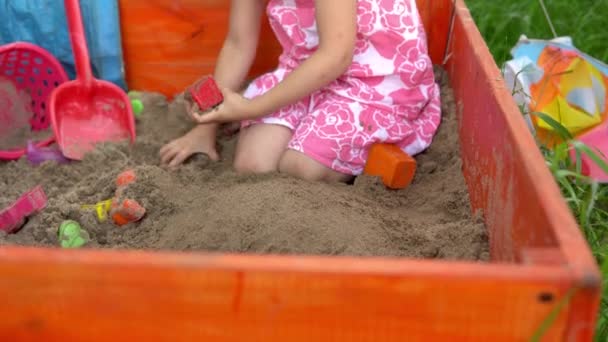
x=538, y=253
x=507, y=177
x=55, y=295
x=168, y=45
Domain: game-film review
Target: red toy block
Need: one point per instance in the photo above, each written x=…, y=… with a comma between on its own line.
x=205, y=93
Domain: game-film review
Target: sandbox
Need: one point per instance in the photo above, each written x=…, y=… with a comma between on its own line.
x=206, y=206
x=204, y=283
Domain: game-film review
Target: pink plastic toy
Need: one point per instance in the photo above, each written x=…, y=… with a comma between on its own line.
x=87, y=111
x=596, y=139
x=34, y=70
x=12, y=218
x=38, y=155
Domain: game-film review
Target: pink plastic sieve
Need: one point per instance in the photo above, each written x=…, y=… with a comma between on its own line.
x=35, y=72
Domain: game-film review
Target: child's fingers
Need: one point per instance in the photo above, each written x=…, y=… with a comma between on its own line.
x=189, y=108
x=179, y=158
x=196, y=116
x=166, y=159
x=168, y=155
x=209, y=117
x=213, y=155
x=166, y=148
x=193, y=113
x=163, y=150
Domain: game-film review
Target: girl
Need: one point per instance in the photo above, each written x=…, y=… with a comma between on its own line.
x=352, y=73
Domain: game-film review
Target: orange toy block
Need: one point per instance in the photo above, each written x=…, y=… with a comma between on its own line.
x=388, y=161
x=126, y=211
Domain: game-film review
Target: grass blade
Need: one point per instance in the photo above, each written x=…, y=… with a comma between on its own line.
x=547, y=322
x=562, y=131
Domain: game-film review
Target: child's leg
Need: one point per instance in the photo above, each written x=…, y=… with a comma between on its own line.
x=262, y=141
x=332, y=140
x=260, y=147
x=299, y=165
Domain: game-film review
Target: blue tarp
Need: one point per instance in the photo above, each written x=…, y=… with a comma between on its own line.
x=43, y=22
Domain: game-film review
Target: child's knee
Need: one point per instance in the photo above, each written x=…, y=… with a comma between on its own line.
x=260, y=147
x=301, y=166
x=295, y=165
x=252, y=163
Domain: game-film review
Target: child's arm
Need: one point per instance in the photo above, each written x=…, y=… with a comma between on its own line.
x=337, y=27
x=239, y=49
x=234, y=61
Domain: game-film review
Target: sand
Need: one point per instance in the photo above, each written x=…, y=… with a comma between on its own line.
x=206, y=206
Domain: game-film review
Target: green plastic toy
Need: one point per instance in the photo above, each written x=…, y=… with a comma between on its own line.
x=71, y=235
x=136, y=104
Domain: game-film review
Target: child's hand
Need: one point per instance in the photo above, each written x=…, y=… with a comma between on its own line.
x=235, y=107
x=201, y=139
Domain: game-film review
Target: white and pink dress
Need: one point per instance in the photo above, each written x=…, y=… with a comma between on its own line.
x=388, y=94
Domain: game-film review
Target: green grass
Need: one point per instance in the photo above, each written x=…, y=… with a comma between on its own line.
x=501, y=23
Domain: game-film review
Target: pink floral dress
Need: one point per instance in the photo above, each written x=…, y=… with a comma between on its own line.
x=388, y=94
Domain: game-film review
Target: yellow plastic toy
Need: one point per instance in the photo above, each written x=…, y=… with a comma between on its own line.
x=101, y=209
x=572, y=91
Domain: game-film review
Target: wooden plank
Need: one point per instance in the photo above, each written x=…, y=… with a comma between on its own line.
x=59, y=295
x=424, y=8
x=507, y=178
x=436, y=16
x=438, y=28
x=542, y=256
x=167, y=45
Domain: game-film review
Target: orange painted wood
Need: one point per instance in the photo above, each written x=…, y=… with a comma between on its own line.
x=395, y=167
x=542, y=256
x=538, y=253
x=508, y=180
x=169, y=44
x=57, y=295
x=436, y=15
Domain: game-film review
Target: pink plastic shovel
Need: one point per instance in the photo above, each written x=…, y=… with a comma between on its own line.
x=29, y=203
x=87, y=111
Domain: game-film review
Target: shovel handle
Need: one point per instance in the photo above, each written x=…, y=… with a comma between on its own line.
x=79, y=42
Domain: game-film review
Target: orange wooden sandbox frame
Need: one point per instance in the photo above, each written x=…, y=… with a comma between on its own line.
x=539, y=256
